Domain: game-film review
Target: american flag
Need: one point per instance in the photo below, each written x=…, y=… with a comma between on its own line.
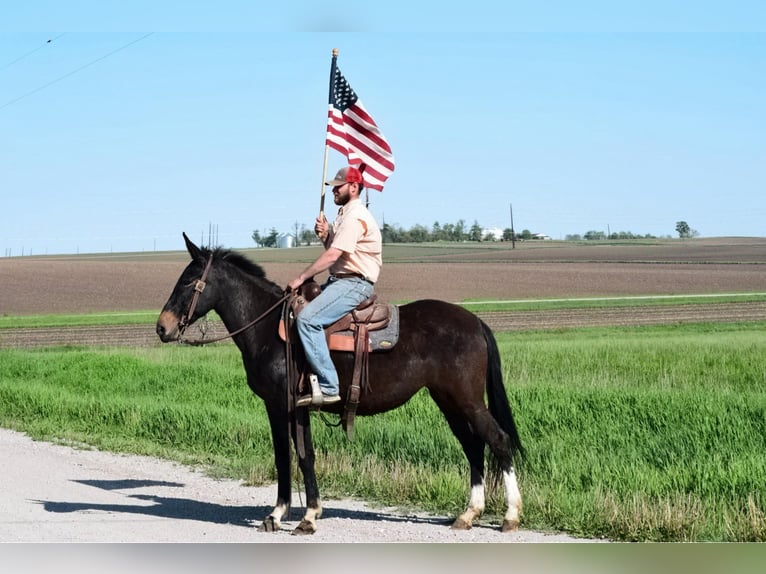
x=353, y=132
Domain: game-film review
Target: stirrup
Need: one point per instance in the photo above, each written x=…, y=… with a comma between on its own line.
x=317, y=398
x=316, y=392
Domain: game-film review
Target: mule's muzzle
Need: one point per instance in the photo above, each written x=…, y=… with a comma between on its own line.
x=168, y=327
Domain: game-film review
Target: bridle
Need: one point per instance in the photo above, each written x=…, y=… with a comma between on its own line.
x=199, y=287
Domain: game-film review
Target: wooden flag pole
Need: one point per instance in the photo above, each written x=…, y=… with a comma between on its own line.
x=324, y=179
x=326, y=146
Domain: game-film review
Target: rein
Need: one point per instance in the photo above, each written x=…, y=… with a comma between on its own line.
x=199, y=287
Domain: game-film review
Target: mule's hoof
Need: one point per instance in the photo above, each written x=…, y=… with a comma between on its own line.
x=461, y=524
x=510, y=525
x=269, y=524
x=304, y=528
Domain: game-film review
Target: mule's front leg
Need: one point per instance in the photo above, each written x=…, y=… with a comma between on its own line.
x=309, y=523
x=306, y=463
x=273, y=521
x=281, y=441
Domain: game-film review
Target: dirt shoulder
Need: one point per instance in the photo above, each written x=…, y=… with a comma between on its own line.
x=54, y=493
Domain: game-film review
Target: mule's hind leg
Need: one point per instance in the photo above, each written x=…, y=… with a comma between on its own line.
x=474, y=426
x=513, y=498
x=473, y=447
x=500, y=445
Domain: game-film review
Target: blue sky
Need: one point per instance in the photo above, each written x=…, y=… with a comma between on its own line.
x=119, y=140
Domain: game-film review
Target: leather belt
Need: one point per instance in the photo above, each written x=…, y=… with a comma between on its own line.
x=350, y=275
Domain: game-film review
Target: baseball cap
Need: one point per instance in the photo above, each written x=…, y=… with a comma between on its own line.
x=346, y=175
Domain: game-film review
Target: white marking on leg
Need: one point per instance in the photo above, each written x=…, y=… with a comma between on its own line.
x=312, y=515
x=278, y=513
x=512, y=496
x=475, y=507
x=477, y=498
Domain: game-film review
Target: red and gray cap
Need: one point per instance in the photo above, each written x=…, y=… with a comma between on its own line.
x=346, y=175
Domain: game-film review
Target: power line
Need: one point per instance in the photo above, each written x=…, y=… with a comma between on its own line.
x=13, y=101
x=51, y=40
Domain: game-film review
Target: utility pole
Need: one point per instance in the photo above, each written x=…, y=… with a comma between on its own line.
x=513, y=232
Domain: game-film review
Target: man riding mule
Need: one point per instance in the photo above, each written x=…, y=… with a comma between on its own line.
x=441, y=347
x=353, y=247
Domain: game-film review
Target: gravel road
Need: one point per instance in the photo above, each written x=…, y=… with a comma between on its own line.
x=55, y=493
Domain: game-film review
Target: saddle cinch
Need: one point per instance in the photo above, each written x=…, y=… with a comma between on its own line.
x=369, y=328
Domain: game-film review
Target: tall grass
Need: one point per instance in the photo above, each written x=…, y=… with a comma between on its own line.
x=650, y=433
x=644, y=434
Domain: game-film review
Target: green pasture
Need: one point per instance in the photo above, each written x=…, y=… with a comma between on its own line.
x=642, y=433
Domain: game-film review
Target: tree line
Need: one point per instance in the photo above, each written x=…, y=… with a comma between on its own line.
x=460, y=232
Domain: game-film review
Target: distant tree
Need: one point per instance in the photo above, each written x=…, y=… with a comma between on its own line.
x=307, y=236
x=573, y=237
x=594, y=235
x=622, y=235
x=419, y=234
x=507, y=234
x=459, y=233
x=475, y=233
x=271, y=239
x=490, y=236
x=526, y=234
x=437, y=233
x=390, y=233
x=683, y=229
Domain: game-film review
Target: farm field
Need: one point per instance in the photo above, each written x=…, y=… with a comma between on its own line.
x=133, y=282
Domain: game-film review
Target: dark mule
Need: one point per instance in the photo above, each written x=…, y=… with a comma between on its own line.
x=442, y=347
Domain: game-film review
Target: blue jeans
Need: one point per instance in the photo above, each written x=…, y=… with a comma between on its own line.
x=338, y=297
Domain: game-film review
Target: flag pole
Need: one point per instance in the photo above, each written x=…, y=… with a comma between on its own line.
x=324, y=178
x=326, y=145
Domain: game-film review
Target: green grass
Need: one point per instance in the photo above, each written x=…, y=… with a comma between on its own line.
x=80, y=320
x=149, y=317
x=610, y=302
x=645, y=433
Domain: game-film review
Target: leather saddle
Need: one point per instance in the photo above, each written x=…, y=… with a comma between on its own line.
x=371, y=326
x=379, y=320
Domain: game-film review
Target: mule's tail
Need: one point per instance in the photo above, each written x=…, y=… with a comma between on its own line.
x=496, y=398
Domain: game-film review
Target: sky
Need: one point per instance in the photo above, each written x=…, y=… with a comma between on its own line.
x=582, y=116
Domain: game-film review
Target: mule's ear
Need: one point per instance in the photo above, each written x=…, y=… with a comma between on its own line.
x=193, y=250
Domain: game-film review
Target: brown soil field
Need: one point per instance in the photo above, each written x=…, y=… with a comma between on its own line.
x=464, y=272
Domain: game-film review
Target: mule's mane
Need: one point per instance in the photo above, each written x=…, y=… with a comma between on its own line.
x=240, y=262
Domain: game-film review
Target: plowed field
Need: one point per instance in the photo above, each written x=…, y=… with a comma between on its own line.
x=534, y=270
